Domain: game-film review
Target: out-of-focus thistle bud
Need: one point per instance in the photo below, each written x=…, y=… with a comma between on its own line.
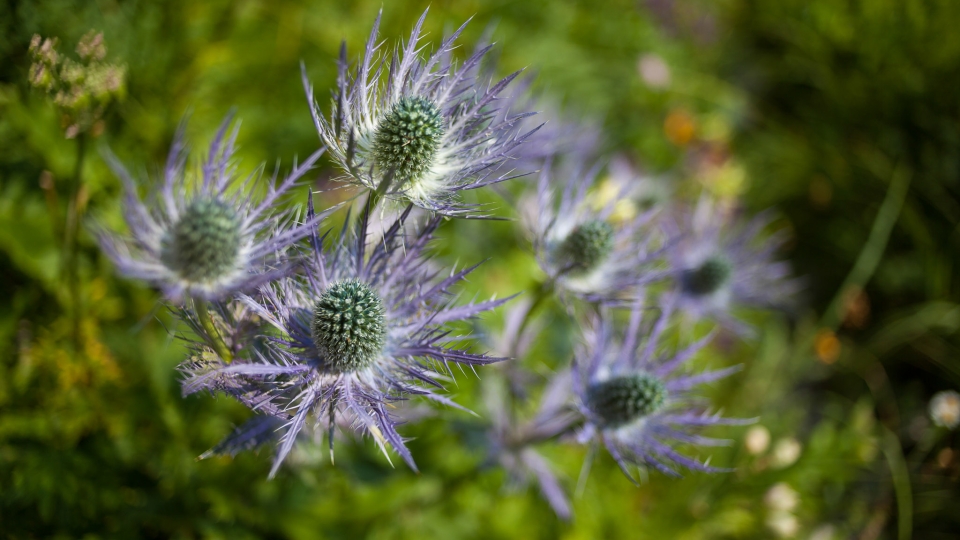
x=588, y=245
x=621, y=400
x=80, y=90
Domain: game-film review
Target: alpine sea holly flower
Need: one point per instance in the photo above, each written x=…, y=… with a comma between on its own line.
x=364, y=326
x=586, y=246
x=424, y=128
x=720, y=264
x=206, y=235
x=636, y=400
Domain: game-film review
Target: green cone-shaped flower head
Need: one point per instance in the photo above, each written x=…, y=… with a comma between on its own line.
x=586, y=246
x=708, y=278
x=408, y=137
x=204, y=244
x=621, y=400
x=348, y=326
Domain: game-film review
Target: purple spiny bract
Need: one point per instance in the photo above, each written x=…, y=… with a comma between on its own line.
x=430, y=128
x=364, y=326
x=720, y=264
x=636, y=401
x=205, y=238
x=585, y=246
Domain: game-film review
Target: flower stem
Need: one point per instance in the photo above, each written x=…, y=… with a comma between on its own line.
x=541, y=292
x=216, y=341
x=70, y=245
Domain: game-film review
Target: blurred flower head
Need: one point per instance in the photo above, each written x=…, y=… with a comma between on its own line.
x=781, y=497
x=945, y=409
x=364, y=327
x=636, y=399
x=757, y=440
x=720, y=264
x=205, y=235
x=783, y=524
x=786, y=452
x=584, y=245
x=427, y=127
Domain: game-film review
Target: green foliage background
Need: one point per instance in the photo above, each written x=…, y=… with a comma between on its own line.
x=816, y=107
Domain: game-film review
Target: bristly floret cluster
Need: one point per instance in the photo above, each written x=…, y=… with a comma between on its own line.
x=429, y=128
x=315, y=332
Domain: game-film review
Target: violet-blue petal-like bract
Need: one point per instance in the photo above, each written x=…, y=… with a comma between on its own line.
x=204, y=233
x=365, y=325
x=431, y=128
x=586, y=248
x=636, y=397
x=720, y=263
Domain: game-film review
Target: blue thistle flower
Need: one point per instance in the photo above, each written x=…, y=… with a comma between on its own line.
x=584, y=241
x=634, y=399
x=720, y=264
x=364, y=326
x=206, y=239
x=429, y=128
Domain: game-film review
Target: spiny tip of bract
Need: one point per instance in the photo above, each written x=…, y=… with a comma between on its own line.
x=348, y=326
x=621, y=400
x=204, y=244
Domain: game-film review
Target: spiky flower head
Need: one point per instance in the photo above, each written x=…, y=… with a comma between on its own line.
x=201, y=236
x=364, y=326
x=348, y=325
x=636, y=398
x=408, y=137
x=621, y=400
x=585, y=241
x=720, y=263
x=427, y=127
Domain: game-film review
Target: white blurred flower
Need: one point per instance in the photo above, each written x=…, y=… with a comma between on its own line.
x=945, y=409
x=823, y=532
x=781, y=497
x=654, y=71
x=783, y=524
x=786, y=452
x=757, y=440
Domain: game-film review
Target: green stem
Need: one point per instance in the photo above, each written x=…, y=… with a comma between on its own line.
x=901, y=483
x=874, y=247
x=216, y=341
x=70, y=246
x=541, y=292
